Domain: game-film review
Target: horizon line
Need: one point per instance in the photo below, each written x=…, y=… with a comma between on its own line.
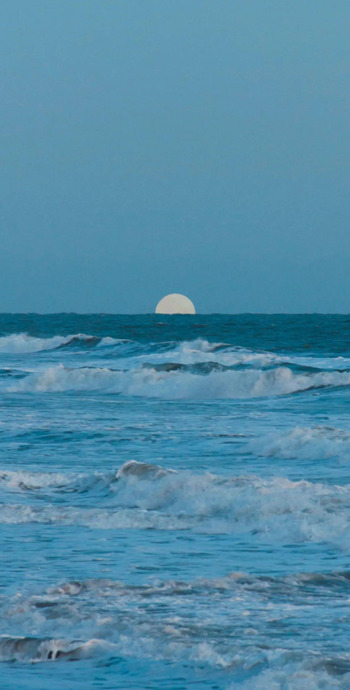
x=213, y=313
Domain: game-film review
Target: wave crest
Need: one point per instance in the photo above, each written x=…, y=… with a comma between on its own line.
x=32, y=649
x=172, y=621
x=179, y=384
x=143, y=496
x=22, y=343
x=305, y=443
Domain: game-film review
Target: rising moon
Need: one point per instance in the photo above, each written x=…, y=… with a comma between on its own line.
x=175, y=304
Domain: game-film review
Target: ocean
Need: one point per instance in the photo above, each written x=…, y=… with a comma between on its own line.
x=174, y=502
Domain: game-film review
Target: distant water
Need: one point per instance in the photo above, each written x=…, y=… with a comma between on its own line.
x=174, y=502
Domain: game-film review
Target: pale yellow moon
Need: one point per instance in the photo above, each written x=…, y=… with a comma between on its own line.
x=175, y=304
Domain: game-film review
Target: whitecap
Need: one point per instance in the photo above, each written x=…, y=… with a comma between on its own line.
x=178, y=384
x=22, y=343
x=305, y=443
x=151, y=497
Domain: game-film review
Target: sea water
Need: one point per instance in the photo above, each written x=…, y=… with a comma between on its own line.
x=174, y=502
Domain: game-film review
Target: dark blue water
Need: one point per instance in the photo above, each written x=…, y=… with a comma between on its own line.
x=175, y=502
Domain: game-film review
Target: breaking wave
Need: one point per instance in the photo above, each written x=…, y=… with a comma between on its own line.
x=139, y=621
x=305, y=443
x=288, y=671
x=193, y=370
x=32, y=649
x=143, y=496
x=177, y=383
x=21, y=343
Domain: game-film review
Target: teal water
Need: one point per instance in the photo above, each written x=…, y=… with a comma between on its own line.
x=174, y=502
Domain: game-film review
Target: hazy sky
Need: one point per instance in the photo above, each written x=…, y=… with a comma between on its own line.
x=155, y=146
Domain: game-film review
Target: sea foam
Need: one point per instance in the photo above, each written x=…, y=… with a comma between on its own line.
x=22, y=343
x=179, y=384
x=142, y=496
x=306, y=443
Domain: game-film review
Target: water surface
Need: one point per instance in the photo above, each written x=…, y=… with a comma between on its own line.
x=175, y=502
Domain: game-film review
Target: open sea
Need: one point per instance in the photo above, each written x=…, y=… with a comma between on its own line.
x=174, y=502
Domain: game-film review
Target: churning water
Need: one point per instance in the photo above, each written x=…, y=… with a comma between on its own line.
x=174, y=502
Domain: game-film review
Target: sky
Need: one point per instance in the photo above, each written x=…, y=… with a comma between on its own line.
x=192, y=146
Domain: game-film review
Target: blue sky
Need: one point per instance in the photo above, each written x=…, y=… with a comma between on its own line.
x=189, y=146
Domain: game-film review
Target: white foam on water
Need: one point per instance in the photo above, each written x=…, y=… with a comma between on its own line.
x=201, y=351
x=219, y=623
x=30, y=481
x=249, y=383
x=107, y=341
x=150, y=497
x=22, y=343
x=339, y=363
x=287, y=674
x=189, y=353
x=305, y=443
x=35, y=650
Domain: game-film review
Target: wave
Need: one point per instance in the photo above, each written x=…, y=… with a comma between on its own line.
x=172, y=621
x=185, y=352
x=315, y=585
x=32, y=649
x=179, y=384
x=305, y=443
x=32, y=481
x=299, y=673
x=200, y=351
x=7, y=372
x=22, y=343
x=143, y=496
